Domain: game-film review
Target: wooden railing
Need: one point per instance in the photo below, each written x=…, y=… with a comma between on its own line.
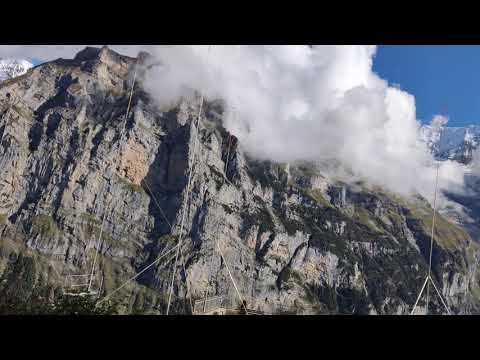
x=224, y=305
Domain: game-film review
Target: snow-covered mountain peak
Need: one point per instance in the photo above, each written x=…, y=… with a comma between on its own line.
x=456, y=143
x=10, y=68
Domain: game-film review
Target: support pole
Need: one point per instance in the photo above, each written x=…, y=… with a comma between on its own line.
x=419, y=295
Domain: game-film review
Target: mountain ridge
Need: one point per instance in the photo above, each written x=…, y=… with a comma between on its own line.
x=453, y=143
x=75, y=167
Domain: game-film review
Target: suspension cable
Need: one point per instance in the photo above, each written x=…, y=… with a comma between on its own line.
x=191, y=167
x=171, y=230
x=137, y=274
x=429, y=277
x=178, y=246
x=121, y=135
x=432, y=235
x=100, y=242
x=129, y=100
x=231, y=277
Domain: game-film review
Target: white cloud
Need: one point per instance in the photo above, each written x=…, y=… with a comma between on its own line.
x=301, y=103
x=438, y=121
x=317, y=103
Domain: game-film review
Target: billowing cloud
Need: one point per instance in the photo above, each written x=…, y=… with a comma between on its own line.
x=320, y=103
x=286, y=103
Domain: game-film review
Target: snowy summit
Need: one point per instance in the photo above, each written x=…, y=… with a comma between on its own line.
x=10, y=68
x=455, y=143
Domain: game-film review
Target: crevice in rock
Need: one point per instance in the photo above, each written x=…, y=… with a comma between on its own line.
x=36, y=188
x=52, y=124
x=2, y=131
x=35, y=136
x=71, y=158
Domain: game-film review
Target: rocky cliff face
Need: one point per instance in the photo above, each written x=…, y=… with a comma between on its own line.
x=291, y=240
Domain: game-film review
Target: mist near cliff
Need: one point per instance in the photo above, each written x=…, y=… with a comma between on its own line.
x=313, y=103
x=322, y=104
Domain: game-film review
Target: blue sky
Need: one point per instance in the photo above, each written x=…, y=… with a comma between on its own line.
x=443, y=77
x=35, y=62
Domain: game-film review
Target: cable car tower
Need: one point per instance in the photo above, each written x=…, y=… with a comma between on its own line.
x=428, y=279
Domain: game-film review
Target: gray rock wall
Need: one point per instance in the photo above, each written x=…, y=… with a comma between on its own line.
x=289, y=239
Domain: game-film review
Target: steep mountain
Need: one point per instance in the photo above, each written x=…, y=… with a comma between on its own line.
x=280, y=236
x=458, y=144
x=454, y=143
x=10, y=68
